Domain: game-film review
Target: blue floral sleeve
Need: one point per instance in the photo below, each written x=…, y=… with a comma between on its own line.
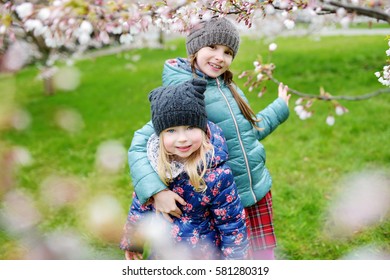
x=137, y=213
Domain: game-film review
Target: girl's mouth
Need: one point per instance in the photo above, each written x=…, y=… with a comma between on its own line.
x=184, y=149
x=216, y=66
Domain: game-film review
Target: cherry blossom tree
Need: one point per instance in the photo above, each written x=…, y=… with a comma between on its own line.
x=45, y=31
x=55, y=29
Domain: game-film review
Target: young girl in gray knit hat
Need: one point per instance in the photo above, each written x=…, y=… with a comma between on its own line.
x=189, y=155
x=211, y=48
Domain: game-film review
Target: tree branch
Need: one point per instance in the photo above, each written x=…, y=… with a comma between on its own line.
x=340, y=97
x=372, y=13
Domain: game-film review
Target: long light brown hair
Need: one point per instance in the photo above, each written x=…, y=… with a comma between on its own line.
x=195, y=165
x=245, y=109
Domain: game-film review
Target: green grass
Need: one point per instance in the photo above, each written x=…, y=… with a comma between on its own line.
x=306, y=158
x=372, y=24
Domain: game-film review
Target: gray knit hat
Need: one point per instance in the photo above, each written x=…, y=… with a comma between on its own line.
x=216, y=31
x=178, y=105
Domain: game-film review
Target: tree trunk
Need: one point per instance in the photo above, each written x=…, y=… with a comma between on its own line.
x=48, y=85
x=161, y=38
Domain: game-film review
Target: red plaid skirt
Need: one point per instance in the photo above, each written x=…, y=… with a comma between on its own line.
x=259, y=223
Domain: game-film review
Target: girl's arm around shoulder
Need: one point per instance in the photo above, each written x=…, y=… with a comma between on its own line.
x=228, y=214
x=145, y=180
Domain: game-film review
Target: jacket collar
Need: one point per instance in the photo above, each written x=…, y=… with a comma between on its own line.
x=185, y=65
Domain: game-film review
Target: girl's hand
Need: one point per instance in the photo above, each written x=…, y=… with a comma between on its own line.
x=133, y=255
x=282, y=93
x=165, y=203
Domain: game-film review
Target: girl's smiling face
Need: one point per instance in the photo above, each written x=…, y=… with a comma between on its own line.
x=214, y=60
x=182, y=141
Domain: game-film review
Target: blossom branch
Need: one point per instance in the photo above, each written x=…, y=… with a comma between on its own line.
x=332, y=97
x=359, y=10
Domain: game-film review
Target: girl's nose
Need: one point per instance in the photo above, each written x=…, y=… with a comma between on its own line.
x=182, y=136
x=219, y=54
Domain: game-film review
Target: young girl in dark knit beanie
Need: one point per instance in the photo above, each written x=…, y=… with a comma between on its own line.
x=211, y=47
x=189, y=154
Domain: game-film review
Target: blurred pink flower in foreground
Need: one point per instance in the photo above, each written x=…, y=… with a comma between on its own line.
x=363, y=201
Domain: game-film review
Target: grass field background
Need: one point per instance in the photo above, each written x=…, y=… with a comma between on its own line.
x=307, y=159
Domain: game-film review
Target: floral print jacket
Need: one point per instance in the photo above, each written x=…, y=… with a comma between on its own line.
x=212, y=225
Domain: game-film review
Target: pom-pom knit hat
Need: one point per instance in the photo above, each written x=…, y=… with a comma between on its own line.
x=178, y=105
x=216, y=31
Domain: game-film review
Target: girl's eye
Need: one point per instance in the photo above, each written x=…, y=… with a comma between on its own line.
x=229, y=53
x=190, y=127
x=170, y=130
x=212, y=47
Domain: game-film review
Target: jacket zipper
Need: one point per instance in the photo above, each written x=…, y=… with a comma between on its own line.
x=239, y=140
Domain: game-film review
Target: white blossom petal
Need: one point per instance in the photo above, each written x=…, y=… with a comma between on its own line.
x=330, y=120
x=272, y=47
x=24, y=10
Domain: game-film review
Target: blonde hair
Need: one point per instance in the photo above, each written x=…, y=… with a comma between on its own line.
x=195, y=165
x=245, y=109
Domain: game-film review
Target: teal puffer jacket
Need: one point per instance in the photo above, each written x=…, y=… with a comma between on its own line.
x=246, y=154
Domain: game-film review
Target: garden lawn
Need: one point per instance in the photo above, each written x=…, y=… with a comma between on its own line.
x=307, y=159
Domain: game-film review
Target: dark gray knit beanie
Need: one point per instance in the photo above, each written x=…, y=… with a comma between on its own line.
x=216, y=31
x=178, y=105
